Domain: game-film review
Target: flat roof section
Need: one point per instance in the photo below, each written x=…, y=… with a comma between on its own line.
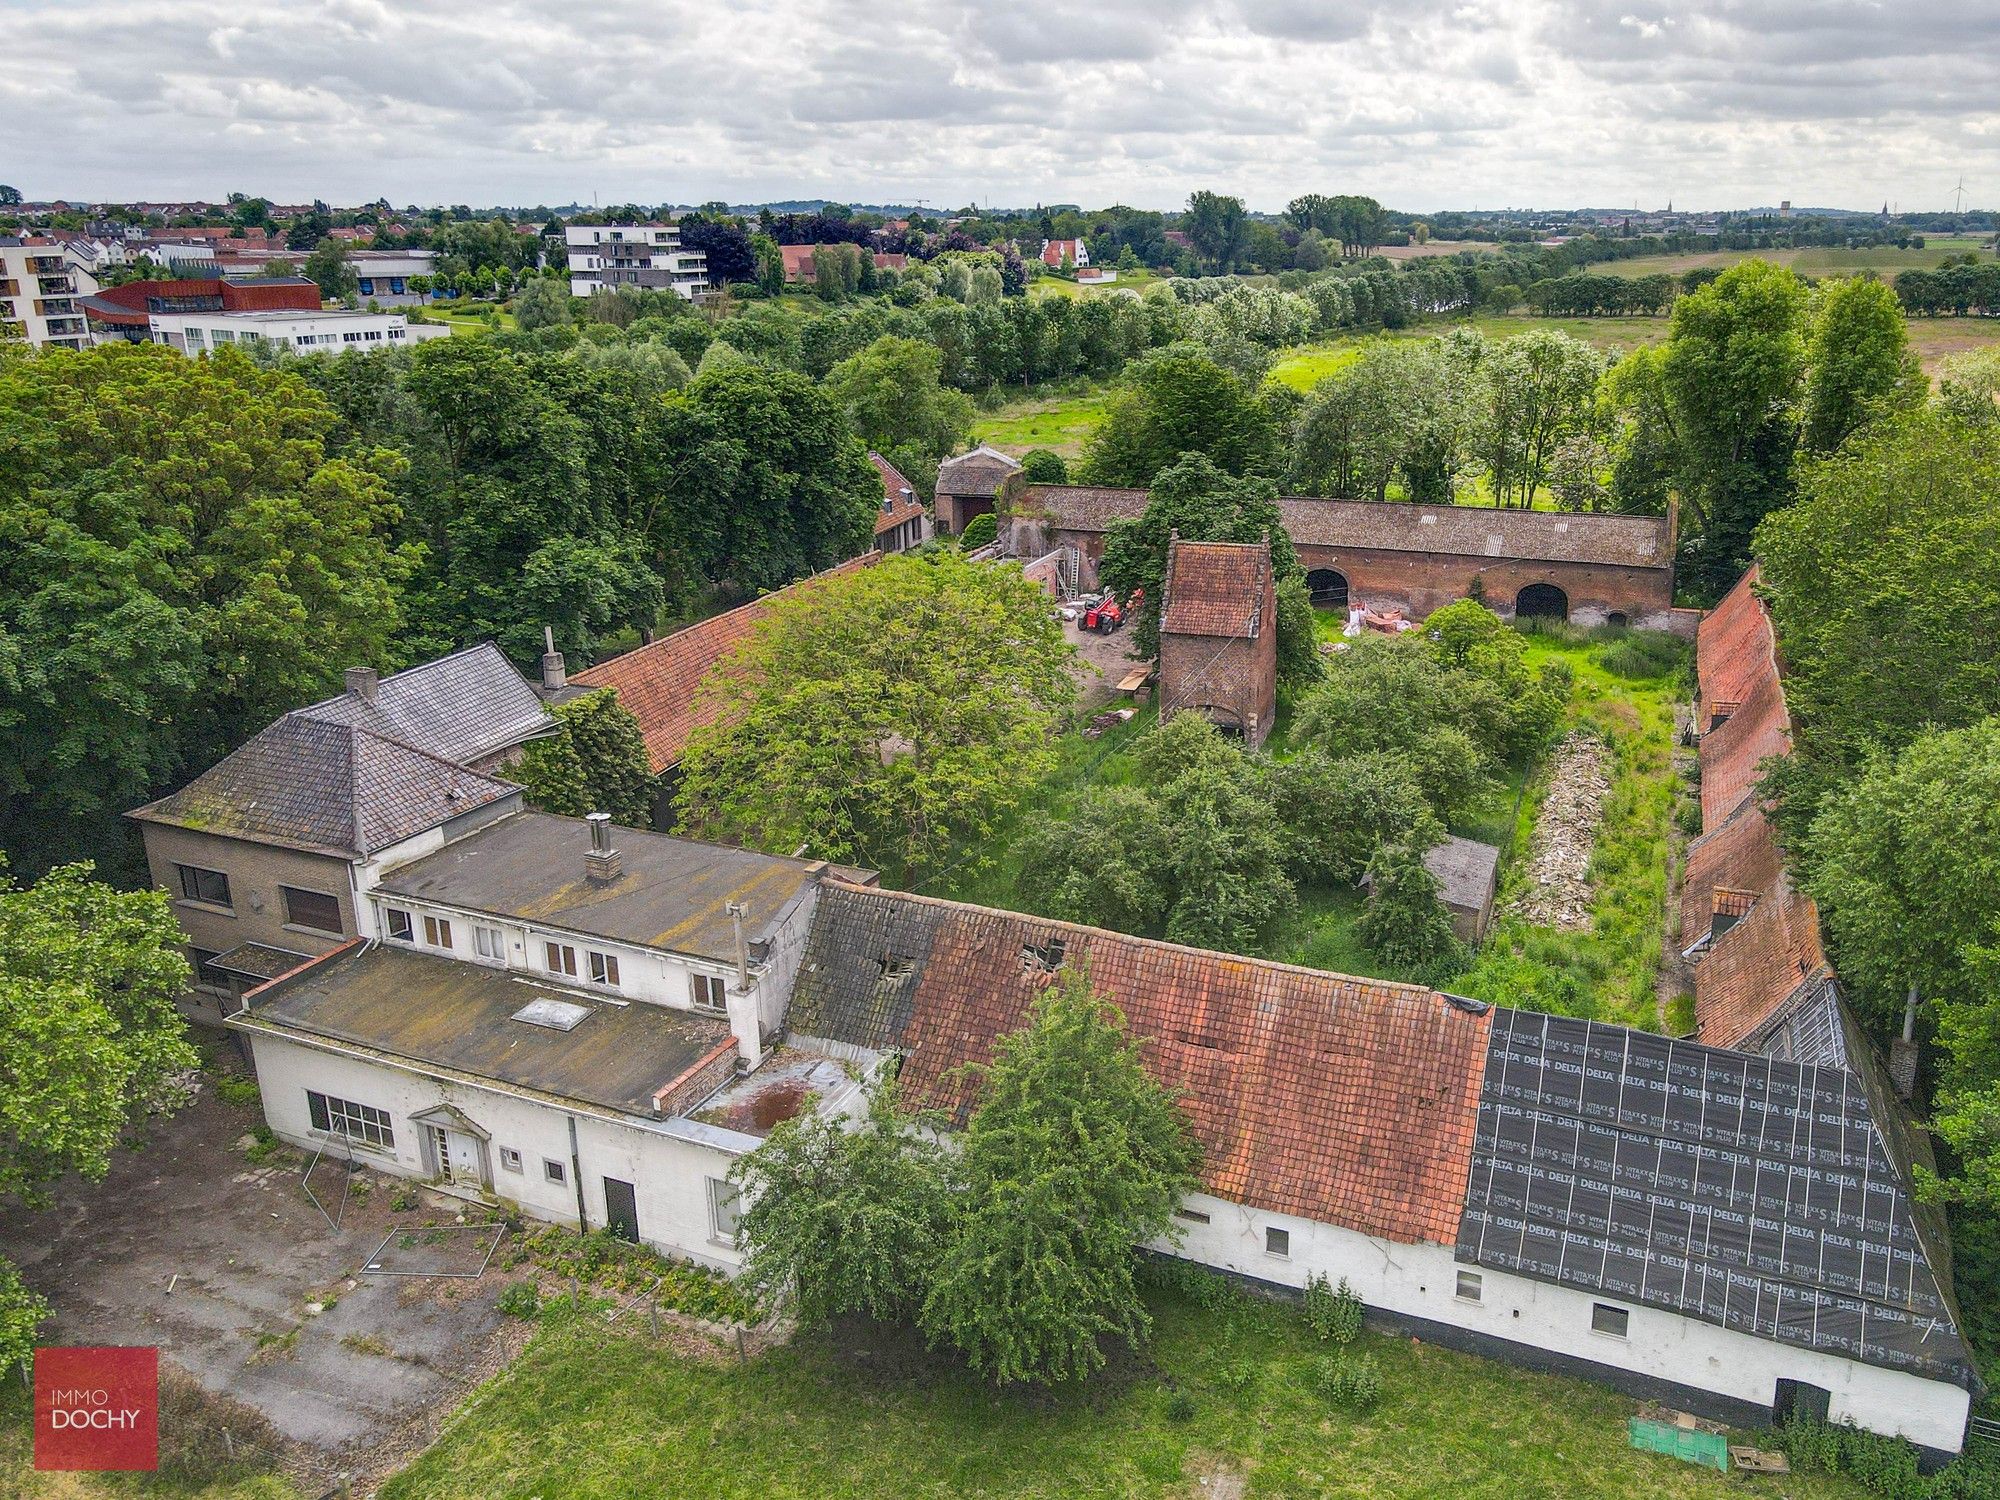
x=673, y=893
x=448, y=1013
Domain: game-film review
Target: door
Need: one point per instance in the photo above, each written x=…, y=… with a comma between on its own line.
x=621, y=1209
x=1798, y=1401
x=457, y=1156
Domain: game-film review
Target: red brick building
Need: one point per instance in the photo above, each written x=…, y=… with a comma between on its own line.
x=903, y=522
x=1593, y=569
x=1219, y=635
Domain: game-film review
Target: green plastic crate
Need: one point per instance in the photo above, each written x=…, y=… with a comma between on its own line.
x=1688, y=1444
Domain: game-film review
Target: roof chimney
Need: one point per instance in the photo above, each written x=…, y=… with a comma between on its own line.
x=736, y=915
x=362, y=682
x=555, y=671
x=602, y=863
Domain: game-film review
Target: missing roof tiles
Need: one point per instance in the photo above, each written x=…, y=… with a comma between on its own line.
x=1048, y=957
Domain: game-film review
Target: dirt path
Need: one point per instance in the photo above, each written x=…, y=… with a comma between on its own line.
x=1555, y=889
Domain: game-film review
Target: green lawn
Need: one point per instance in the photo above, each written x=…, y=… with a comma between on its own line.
x=585, y=1413
x=1059, y=286
x=1062, y=424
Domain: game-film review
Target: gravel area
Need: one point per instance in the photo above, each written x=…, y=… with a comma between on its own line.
x=1555, y=890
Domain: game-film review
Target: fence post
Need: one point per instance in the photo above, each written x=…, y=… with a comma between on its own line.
x=229, y=1443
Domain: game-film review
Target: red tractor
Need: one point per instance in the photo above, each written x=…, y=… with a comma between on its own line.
x=1104, y=616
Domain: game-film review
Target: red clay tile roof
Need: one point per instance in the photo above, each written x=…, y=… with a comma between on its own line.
x=1756, y=966
x=1731, y=755
x=1347, y=1101
x=899, y=497
x=1215, y=588
x=657, y=682
x=1740, y=855
x=1734, y=649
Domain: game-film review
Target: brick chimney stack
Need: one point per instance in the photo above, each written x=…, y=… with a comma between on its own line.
x=602, y=863
x=362, y=682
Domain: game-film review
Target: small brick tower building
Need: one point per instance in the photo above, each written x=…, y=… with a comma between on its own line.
x=1219, y=635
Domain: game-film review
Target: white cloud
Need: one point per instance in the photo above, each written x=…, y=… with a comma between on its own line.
x=1425, y=103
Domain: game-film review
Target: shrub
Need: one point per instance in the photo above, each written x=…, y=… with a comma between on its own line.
x=1239, y=1376
x=237, y=1089
x=1171, y=1276
x=1040, y=466
x=1883, y=1465
x=1180, y=1408
x=1643, y=656
x=403, y=1198
x=979, y=531
x=521, y=1300
x=1350, y=1381
x=1333, y=1313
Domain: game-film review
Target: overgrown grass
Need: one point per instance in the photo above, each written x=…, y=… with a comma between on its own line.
x=1223, y=1401
x=1609, y=971
x=1060, y=423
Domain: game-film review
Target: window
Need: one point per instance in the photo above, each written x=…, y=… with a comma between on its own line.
x=490, y=942
x=399, y=923
x=709, y=992
x=604, y=968
x=359, y=1123
x=1606, y=1319
x=554, y=1170
x=1192, y=1215
x=197, y=884
x=313, y=909
x=1470, y=1285
x=205, y=973
x=437, y=931
x=722, y=1209
x=562, y=958
x=1277, y=1242
x=510, y=1159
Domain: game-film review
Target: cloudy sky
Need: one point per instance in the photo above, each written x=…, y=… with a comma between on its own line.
x=1422, y=103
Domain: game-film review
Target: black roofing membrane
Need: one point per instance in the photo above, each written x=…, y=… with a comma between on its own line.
x=1747, y=1191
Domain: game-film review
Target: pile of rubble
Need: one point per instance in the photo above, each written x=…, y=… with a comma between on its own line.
x=1555, y=891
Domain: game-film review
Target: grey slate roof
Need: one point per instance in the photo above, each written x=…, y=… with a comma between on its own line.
x=980, y=472
x=1394, y=526
x=673, y=894
x=329, y=787
x=464, y=706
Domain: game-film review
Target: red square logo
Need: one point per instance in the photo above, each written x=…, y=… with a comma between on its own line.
x=97, y=1408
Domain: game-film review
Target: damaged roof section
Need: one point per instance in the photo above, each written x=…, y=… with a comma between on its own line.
x=669, y=893
x=1347, y=1101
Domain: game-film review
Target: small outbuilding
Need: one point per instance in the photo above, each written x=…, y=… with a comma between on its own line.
x=1467, y=873
x=1219, y=636
x=971, y=485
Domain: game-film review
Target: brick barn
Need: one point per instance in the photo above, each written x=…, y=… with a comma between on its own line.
x=970, y=485
x=1592, y=569
x=1219, y=635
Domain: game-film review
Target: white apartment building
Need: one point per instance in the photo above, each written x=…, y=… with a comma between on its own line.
x=332, y=332
x=42, y=287
x=641, y=255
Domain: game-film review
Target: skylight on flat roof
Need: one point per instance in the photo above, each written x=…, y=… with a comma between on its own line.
x=553, y=1015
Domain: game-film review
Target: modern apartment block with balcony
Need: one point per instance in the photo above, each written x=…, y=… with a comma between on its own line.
x=42, y=288
x=641, y=255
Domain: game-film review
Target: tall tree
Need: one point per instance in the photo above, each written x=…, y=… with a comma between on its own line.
x=1535, y=389
x=91, y=1041
x=1074, y=1157
x=328, y=266
x=595, y=762
x=894, y=403
x=889, y=715
x=1215, y=226
x=180, y=560
x=1176, y=401
x=1735, y=357
x=1858, y=361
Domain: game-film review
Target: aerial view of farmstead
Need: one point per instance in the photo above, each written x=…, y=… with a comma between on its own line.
x=1224, y=753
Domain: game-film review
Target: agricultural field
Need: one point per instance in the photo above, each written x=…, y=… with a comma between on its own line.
x=1883, y=260
x=1062, y=286
x=1221, y=1403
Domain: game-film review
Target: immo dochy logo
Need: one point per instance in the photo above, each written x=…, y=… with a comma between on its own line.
x=97, y=1408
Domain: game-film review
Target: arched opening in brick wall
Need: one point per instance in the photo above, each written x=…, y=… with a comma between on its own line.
x=1328, y=588
x=1541, y=601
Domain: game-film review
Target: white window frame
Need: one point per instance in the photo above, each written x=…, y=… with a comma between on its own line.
x=510, y=1159
x=489, y=942
x=437, y=932
x=725, y=1211
x=604, y=969
x=559, y=958
x=1277, y=1242
x=1609, y=1312
x=391, y=917
x=555, y=1171
x=1471, y=1286
x=702, y=986
x=358, y=1124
